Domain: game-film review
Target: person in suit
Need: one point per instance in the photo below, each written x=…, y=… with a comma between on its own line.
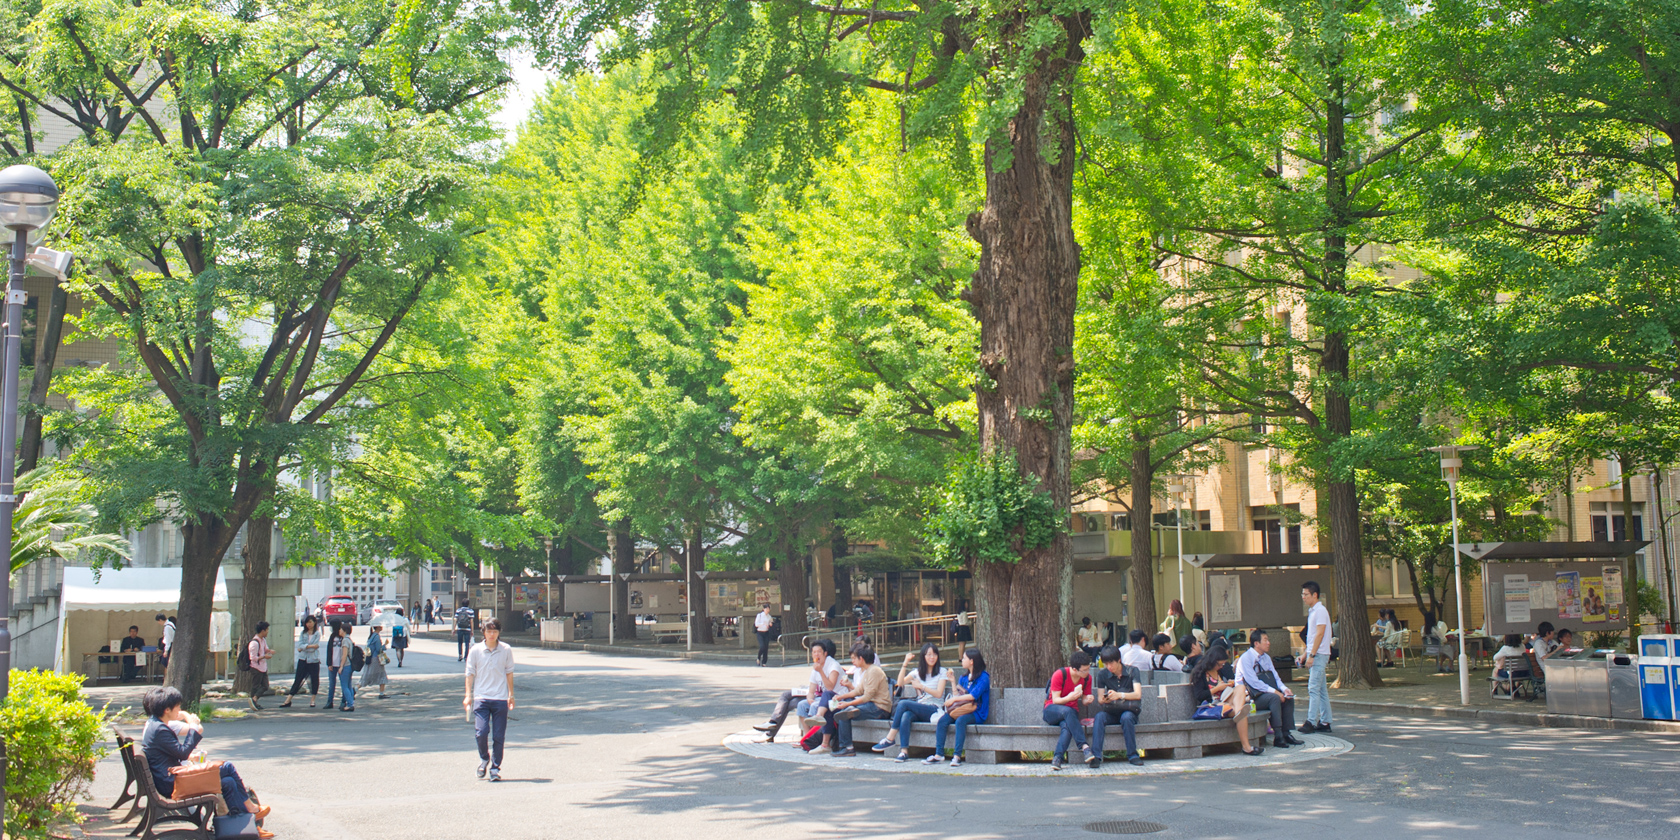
x=169, y=738
x=131, y=642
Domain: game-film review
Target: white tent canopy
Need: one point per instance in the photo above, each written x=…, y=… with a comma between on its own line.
x=104, y=607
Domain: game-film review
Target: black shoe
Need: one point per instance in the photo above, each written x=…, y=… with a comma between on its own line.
x=1324, y=727
x=1293, y=741
x=1308, y=728
x=1279, y=743
x=1135, y=761
x=1253, y=751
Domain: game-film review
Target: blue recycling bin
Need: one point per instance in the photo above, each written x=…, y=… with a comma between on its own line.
x=1659, y=667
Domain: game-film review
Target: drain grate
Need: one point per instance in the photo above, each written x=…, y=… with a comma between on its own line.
x=1125, y=827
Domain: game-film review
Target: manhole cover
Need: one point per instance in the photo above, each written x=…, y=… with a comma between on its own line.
x=1125, y=827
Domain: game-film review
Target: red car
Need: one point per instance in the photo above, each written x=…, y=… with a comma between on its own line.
x=339, y=608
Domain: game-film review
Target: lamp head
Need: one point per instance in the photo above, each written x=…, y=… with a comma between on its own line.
x=28, y=198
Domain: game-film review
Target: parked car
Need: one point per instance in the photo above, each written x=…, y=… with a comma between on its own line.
x=340, y=608
x=381, y=607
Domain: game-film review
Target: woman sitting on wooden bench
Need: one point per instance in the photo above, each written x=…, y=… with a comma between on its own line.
x=169, y=739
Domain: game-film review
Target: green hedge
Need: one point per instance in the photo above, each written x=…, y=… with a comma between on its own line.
x=53, y=739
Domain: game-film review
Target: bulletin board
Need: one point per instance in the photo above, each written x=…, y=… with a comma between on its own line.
x=1583, y=595
x=1239, y=599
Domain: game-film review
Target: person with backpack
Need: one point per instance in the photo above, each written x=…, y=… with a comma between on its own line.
x=1069, y=689
x=342, y=656
x=373, y=667
x=463, y=631
x=1163, y=659
x=254, y=661
x=399, y=639
x=1119, y=695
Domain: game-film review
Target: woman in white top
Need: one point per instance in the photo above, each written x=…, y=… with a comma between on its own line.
x=931, y=681
x=1510, y=659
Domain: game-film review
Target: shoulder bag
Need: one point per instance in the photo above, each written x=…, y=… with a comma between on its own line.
x=197, y=780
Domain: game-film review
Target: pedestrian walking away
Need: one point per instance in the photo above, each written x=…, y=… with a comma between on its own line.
x=373, y=670
x=399, y=640
x=489, y=697
x=763, y=625
x=463, y=630
x=308, y=663
x=1317, y=659
x=257, y=653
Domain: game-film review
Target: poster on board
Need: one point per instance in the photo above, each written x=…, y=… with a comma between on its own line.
x=1569, y=594
x=1542, y=595
x=1592, y=601
x=1225, y=593
x=1613, y=585
x=1516, y=599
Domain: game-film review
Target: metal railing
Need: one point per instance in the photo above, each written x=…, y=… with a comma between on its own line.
x=877, y=633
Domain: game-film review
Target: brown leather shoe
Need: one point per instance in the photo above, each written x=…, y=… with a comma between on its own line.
x=264, y=834
x=262, y=813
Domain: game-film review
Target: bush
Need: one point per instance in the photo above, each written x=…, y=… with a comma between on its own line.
x=52, y=742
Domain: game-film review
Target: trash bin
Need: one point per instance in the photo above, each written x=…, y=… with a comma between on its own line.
x=1656, y=676
x=1626, y=694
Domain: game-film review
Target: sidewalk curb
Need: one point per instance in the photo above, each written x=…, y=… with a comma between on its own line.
x=1511, y=716
x=614, y=650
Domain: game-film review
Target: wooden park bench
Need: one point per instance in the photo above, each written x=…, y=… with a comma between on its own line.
x=662, y=630
x=197, y=811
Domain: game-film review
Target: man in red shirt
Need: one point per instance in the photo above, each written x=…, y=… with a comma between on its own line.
x=1070, y=691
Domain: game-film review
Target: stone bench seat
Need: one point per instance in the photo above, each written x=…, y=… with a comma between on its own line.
x=1016, y=726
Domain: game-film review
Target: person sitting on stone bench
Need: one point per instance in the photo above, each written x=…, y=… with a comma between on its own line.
x=1207, y=686
x=1069, y=692
x=969, y=706
x=1163, y=659
x=869, y=698
x=1135, y=653
x=1194, y=646
x=931, y=681
x=826, y=679
x=1259, y=677
x=1119, y=696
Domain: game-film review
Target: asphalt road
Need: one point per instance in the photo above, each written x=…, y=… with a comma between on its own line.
x=623, y=747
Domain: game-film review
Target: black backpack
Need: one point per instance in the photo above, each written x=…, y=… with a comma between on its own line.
x=357, y=658
x=463, y=619
x=245, y=658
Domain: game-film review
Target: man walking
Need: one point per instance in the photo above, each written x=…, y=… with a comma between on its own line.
x=1316, y=658
x=463, y=630
x=167, y=641
x=763, y=624
x=490, y=696
x=1256, y=672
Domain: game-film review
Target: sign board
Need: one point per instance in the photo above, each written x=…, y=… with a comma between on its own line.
x=1578, y=594
x=741, y=597
x=1270, y=599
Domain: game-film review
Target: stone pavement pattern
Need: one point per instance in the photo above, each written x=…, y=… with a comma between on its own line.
x=632, y=747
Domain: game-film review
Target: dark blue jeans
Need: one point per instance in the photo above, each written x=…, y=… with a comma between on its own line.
x=908, y=712
x=463, y=643
x=1073, y=731
x=233, y=789
x=1128, y=727
x=944, y=726
x=843, y=727
x=490, y=727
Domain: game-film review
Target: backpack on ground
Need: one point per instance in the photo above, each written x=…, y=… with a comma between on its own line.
x=812, y=739
x=357, y=658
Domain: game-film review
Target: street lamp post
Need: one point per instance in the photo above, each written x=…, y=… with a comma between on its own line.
x=1176, y=486
x=548, y=578
x=1450, y=462
x=702, y=575
x=28, y=199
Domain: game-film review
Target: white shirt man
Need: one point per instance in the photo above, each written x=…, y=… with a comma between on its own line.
x=763, y=624
x=490, y=696
x=1317, y=659
x=1135, y=655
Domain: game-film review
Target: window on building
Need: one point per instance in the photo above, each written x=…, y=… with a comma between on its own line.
x=1609, y=522
x=1277, y=535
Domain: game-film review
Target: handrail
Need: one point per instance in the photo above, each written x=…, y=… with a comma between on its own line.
x=871, y=631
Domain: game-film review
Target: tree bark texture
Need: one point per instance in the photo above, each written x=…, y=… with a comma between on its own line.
x=622, y=544
x=840, y=546
x=792, y=572
x=1141, y=600
x=253, y=604
x=205, y=541
x=694, y=560
x=1631, y=591
x=1023, y=293
x=29, y=453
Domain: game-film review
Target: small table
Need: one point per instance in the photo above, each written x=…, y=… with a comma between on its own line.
x=1478, y=648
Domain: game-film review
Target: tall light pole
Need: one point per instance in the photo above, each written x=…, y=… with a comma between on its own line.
x=28, y=199
x=1175, y=486
x=548, y=578
x=1450, y=463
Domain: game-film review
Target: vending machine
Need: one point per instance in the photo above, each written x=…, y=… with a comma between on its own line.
x=1659, y=666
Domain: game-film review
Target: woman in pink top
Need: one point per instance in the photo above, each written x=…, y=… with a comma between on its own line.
x=1069, y=693
x=259, y=653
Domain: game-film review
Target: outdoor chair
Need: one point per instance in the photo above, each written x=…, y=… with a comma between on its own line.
x=1396, y=642
x=196, y=811
x=131, y=791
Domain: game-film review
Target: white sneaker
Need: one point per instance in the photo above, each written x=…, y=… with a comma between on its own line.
x=821, y=749
x=933, y=759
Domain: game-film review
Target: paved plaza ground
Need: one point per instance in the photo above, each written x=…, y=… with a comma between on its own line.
x=610, y=747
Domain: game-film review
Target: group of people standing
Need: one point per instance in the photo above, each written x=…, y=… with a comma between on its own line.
x=342, y=656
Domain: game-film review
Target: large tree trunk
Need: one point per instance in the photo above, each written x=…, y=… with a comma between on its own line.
x=1630, y=592
x=694, y=560
x=792, y=574
x=253, y=604
x=1024, y=293
x=1141, y=600
x=29, y=453
x=622, y=543
x=839, y=547
x=205, y=541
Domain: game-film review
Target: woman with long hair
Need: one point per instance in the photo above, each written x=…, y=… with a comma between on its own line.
x=968, y=706
x=373, y=670
x=1207, y=686
x=308, y=662
x=1176, y=625
x=931, y=681
x=340, y=653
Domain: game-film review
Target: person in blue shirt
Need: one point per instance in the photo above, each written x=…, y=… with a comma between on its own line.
x=974, y=688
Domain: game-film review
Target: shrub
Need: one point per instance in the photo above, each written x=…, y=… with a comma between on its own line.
x=53, y=739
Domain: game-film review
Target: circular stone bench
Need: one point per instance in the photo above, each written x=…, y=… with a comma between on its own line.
x=1017, y=725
